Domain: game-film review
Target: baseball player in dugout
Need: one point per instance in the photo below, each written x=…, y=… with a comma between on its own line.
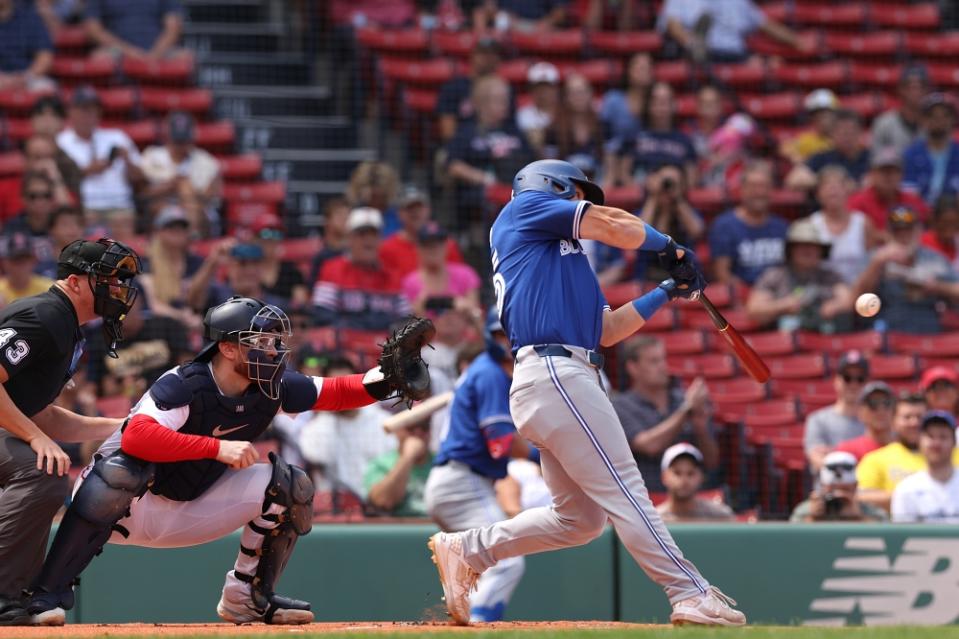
x=40, y=348
x=181, y=471
x=555, y=316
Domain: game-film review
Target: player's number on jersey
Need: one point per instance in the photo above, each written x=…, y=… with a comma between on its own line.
x=499, y=287
x=6, y=334
x=18, y=351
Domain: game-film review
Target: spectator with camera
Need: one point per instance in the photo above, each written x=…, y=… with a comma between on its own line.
x=876, y=405
x=656, y=412
x=108, y=158
x=683, y=474
x=931, y=495
x=910, y=279
x=279, y=277
x=835, y=497
x=829, y=426
x=804, y=293
x=747, y=240
x=667, y=208
x=244, y=264
x=396, y=480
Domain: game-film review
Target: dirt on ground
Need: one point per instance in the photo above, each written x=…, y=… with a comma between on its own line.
x=222, y=629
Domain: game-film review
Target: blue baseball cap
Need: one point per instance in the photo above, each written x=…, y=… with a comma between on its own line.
x=938, y=417
x=247, y=252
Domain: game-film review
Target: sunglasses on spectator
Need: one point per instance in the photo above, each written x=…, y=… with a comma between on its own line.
x=876, y=403
x=942, y=384
x=40, y=195
x=853, y=379
x=841, y=468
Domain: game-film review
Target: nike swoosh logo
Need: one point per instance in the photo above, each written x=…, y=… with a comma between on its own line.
x=219, y=431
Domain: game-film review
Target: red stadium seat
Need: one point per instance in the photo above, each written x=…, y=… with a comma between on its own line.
x=662, y=320
x=243, y=168
x=933, y=45
x=215, y=135
x=829, y=15
x=196, y=101
x=499, y=194
x=818, y=392
x=619, y=294
x=673, y=73
x=866, y=341
x=721, y=295
x=788, y=203
x=892, y=366
x=779, y=11
x=176, y=70
x=599, y=73
x=625, y=43
x=785, y=414
x=269, y=192
x=93, y=70
x=772, y=344
x=458, y=44
x=875, y=75
x=420, y=100
x=712, y=366
x=773, y=106
x=740, y=390
x=71, y=37
x=321, y=339
x=409, y=41
x=693, y=316
x=918, y=17
x=421, y=72
x=241, y=213
x=808, y=366
x=11, y=164
x=869, y=45
x=944, y=75
x=708, y=201
x=764, y=45
x=514, y=71
x=740, y=76
x=684, y=342
x=142, y=132
x=867, y=105
x=301, y=249
x=549, y=44
x=628, y=197
x=812, y=76
x=19, y=101
x=17, y=129
x=943, y=345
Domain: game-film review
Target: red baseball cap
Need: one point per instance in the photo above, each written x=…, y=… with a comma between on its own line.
x=937, y=374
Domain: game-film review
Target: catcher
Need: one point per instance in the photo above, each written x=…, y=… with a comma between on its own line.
x=182, y=471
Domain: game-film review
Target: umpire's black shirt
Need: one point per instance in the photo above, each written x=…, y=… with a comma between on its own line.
x=40, y=342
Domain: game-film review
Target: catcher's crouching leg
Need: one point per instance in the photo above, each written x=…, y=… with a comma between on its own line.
x=265, y=547
x=102, y=500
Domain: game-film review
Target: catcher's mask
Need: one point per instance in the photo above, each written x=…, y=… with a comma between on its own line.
x=110, y=267
x=260, y=330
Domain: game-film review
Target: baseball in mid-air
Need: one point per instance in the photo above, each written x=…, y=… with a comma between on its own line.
x=868, y=304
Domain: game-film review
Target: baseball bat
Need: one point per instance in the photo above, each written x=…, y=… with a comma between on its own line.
x=749, y=358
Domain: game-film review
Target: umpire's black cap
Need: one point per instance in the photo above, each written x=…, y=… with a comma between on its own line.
x=77, y=257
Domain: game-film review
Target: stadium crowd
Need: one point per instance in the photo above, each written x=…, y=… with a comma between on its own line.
x=867, y=209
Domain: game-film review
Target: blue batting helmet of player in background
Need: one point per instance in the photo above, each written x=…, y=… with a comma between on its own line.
x=493, y=325
x=557, y=177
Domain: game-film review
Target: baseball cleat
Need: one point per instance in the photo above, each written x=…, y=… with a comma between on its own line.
x=282, y=611
x=456, y=576
x=53, y=617
x=715, y=608
x=13, y=612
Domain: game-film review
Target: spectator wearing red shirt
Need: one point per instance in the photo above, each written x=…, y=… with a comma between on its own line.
x=356, y=289
x=398, y=251
x=876, y=404
x=885, y=192
x=943, y=234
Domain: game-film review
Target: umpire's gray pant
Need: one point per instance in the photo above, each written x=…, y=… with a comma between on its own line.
x=29, y=498
x=559, y=404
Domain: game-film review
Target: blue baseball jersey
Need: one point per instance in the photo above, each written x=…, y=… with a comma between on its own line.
x=546, y=292
x=480, y=422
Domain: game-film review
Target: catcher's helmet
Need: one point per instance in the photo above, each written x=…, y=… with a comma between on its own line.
x=557, y=177
x=110, y=267
x=262, y=328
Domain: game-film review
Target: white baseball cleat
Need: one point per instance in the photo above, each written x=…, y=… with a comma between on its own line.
x=715, y=608
x=282, y=611
x=456, y=576
x=52, y=617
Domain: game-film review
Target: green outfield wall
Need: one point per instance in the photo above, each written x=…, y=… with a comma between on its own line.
x=800, y=574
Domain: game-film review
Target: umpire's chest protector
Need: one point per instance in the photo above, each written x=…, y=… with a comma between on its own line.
x=212, y=414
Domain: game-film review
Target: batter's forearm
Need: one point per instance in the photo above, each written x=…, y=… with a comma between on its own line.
x=629, y=318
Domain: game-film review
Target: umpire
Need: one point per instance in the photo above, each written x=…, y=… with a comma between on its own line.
x=40, y=348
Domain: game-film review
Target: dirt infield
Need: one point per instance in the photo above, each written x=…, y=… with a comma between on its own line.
x=78, y=631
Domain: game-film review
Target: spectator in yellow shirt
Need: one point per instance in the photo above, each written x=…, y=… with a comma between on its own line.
x=880, y=471
x=820, y=107
x=19, y=261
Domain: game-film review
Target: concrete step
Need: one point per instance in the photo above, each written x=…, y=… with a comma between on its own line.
x=206, y=37
x=224, y=10
x=220, y=69
x=309, y=197
x=328, y=132
x=254, y=101
x=306, y=165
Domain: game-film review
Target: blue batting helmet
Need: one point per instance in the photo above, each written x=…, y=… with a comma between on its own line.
x=493, y=325
x=557, y=177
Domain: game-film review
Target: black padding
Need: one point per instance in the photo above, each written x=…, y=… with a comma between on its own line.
x=106, y=493
x=171, y=391
x=291, y=488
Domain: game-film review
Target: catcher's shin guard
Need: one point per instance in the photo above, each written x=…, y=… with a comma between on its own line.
x=290, y=489
x=102, y=500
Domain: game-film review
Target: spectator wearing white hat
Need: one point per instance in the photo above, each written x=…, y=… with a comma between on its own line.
x=683, y=474
x=931, y=495
x=835, y=498
x=536, y=117
x=820, y=107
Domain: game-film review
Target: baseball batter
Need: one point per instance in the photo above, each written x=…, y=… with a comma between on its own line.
x=555, y=316
x=181, y=471
x=478, y=445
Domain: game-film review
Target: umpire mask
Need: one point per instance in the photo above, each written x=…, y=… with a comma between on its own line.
x=266, y=347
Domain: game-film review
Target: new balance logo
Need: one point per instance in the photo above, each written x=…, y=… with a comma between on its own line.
x=219, y=431
x=915, y=585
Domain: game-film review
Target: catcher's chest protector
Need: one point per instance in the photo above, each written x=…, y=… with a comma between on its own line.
x=214, y=415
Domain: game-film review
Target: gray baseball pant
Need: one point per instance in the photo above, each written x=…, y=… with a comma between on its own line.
x=458, y=499
x=559, y=404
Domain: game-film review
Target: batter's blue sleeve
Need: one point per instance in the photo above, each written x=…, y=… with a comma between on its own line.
x=298, y=392
x=550, y=216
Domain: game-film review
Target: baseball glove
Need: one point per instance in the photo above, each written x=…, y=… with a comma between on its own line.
x=405, y=374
